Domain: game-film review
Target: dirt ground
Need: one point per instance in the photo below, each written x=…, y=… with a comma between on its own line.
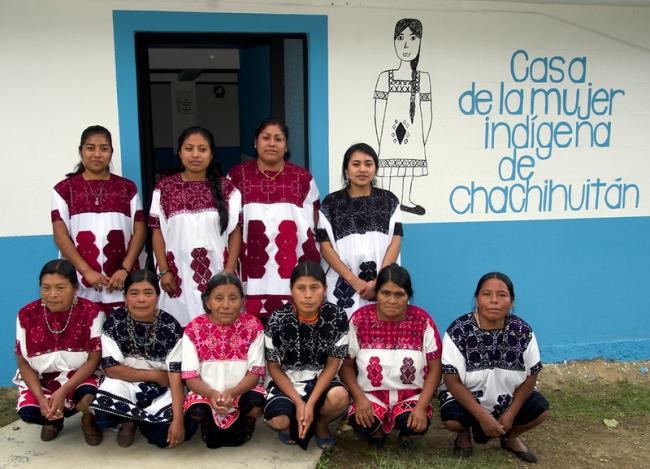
x=556, y=376
x=559, y=443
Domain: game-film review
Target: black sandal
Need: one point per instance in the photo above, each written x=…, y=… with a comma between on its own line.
x=527, y=456
x=463, y=452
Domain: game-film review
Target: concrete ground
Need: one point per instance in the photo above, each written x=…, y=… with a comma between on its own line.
x=21, y=446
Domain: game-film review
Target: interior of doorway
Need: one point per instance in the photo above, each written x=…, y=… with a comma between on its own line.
x=225, y=82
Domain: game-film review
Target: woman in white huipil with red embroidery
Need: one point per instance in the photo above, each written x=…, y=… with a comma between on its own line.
x=58, y=348
x=97, y=221
x=280, y=205
x=194, y=216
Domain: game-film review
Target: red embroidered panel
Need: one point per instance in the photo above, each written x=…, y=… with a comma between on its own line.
x=178, y=196
x=243, y=262
x=374, y=370
x=290, y=186
x=272, y=303
x=253, y=306
x=286, y=241
x=76, y=336
x=201, y=266
x=225, y=256
x=223, y=343
x=407, y=371
x=310, y=252
x=261, y=306
x=171, y=262
x=86, y=247
x=407, y=334
x=115, y=250
x=114, y=195
x=256, y=255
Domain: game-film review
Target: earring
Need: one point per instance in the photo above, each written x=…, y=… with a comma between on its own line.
x=346, y=178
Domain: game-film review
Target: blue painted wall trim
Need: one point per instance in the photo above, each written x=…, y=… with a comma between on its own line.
x=127, y=23
x=23, y=257
x=581, y=284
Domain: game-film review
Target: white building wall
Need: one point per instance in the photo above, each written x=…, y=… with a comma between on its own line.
x=59, y=77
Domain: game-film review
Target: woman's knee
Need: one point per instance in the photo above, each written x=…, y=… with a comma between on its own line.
x=281, y=422
x=337, y=399
x=453, y=425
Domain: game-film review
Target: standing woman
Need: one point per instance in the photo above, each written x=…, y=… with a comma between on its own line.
x=194, y=216
x=141, y=358
x=279, y=215
x=223, y=363
x=393, y=365
x=360, y=231
x=403, y=116
x=306, y=340
x=490, y=363
x=98, y=222
x=58, y=348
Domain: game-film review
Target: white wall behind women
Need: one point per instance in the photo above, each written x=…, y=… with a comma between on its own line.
x=59, y=76
x=484, y=68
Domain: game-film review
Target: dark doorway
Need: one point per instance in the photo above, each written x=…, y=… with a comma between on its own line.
x=225, y=82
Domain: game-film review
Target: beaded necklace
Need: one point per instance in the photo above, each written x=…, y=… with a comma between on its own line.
x=147, y=342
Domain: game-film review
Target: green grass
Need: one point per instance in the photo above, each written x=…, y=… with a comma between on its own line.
x=7, y=405
x=595, y=401
x=577, y=404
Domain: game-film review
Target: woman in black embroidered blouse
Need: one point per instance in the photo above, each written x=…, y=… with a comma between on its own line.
x=141, y=357
x=305, y=341
x=359, y=231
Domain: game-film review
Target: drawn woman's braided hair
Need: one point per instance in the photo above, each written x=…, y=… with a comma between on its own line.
x=416, y=28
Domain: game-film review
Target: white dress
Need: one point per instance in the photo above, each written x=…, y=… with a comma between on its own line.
x=402, y=146
x=99, y=216
x=360, y=229
x=278, y=220
x=196, y=250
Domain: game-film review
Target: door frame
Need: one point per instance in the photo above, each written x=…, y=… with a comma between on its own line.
x=127, y=23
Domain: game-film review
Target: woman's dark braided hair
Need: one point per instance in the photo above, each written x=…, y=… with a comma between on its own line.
x=212, y=173
x=416, y=28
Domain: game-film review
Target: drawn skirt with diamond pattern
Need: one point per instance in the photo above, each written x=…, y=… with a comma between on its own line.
x=401, y=150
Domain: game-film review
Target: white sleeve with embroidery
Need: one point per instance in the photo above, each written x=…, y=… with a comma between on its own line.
x=451, y=356
x=190, y=364
x=111, y=349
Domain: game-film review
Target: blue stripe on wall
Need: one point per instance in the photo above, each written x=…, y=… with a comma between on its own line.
x=581, y=284
x=23, y=257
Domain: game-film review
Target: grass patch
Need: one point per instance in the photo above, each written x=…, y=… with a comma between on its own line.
x=595, y=401
x=576, y=406
x=7, y=405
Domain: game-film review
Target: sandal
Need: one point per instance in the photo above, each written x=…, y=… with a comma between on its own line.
x=325, y=443
x=406, y=442
x=126, y=435
x=92, y=435
x=527, y=456
x=285, y=438
x=462, y=451
x=375, y=442
x=50, y=432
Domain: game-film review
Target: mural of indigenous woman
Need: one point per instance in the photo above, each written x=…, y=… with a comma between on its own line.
x=403, y=117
